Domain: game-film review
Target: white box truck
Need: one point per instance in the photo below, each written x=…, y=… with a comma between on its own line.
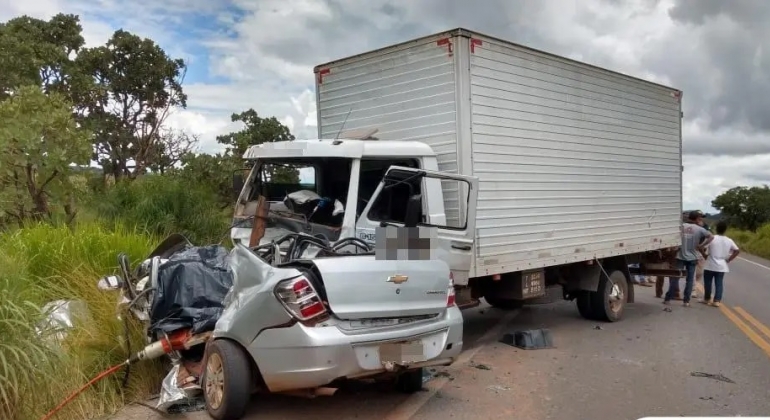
x=538, y=171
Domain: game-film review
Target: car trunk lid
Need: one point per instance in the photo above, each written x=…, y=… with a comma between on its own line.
x=362, y=287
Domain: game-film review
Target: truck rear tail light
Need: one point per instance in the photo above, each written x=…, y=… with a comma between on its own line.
x=300, y=299
x=450, y=293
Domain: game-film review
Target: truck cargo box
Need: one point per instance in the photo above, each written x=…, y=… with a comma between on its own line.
x=574, y=162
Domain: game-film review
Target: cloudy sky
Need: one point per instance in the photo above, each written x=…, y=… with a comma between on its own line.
x=260, y=54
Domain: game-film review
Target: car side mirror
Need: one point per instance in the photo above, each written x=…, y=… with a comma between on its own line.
x=413, y=211
x=237, y=183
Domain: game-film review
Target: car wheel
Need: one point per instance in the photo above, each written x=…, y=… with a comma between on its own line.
x=410, y=381
x=609, y=301
x=226, y=380
x=505, y=304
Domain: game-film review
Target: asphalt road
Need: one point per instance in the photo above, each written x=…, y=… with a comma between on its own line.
x=641, y=366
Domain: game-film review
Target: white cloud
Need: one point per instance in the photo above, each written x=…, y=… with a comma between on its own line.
x=707, y=176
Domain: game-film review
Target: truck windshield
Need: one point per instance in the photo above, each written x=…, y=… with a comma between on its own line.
x=307, y=195
x=279, y=179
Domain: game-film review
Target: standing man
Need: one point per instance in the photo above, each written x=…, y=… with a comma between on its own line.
x=698, y=286
x=722, y=251
x=694, y=238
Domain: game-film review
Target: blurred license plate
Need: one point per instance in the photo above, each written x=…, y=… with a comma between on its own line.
x=374, y=323
x=409, y=352
x=532, y=284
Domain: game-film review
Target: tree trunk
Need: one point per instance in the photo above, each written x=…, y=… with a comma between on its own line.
x=70, y=211
x=40, y=208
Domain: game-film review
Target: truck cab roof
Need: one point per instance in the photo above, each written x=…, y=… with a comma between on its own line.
x=338, y=148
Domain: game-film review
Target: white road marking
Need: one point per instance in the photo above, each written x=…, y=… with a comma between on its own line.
x=407, y=409
x=755, y=263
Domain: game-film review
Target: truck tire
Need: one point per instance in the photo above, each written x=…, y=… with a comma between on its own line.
x=609, y=300
x=410, y=381
x=227, y=380
x=584, y=305
x=505, y=304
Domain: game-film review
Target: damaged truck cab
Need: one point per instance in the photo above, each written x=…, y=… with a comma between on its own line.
x=369, y=185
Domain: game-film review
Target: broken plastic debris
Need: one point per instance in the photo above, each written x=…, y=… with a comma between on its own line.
x=427, y=375
x=173, y=396
x=59, y=317
x=188, y=406
x=498, y=388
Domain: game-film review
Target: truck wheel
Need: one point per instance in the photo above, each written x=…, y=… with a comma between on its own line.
x=226, y=380
x=584, y=305
x=506, y=304
x=410, y=381
x=608, y=302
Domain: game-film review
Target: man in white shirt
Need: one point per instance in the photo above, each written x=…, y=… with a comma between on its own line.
x=721, y=251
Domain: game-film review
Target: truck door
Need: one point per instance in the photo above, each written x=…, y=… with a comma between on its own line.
x=453, y=242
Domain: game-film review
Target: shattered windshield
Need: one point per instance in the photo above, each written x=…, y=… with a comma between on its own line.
x=304, y=195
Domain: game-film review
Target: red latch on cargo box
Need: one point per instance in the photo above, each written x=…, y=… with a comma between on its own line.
x=475, y=43
x=448, y=43
x=320, y=75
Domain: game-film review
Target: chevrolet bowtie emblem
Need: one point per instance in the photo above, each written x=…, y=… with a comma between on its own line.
x=398, y=279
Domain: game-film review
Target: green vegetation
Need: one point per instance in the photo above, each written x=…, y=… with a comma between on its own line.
x=746, y=208
x=747, y=211
x=755, y=243
x=42, y=263
x=89, y=168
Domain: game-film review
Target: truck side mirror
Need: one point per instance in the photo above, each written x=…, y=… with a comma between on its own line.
x=413, y=211
x=237, y=183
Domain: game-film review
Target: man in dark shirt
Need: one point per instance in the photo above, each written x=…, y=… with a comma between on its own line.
x=698, y=286
x=695, y=216
x=694, y=238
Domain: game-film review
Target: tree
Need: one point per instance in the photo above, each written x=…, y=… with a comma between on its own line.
x=122, y=91
x=39, y=143
x=745, y=207
x=136, y=86
x=39, y=53
x=258, y=130
x=171, y=147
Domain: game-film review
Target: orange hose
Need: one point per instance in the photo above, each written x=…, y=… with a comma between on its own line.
x=72, y=396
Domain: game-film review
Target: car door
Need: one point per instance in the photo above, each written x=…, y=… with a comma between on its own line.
x=452, y=243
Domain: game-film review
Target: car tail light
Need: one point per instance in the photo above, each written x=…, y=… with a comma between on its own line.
x=300, y=298
x=450, y=293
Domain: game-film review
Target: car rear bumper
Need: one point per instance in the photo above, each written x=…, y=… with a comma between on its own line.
x=300, y=357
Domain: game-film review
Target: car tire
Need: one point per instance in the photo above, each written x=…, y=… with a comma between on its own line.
x=609, y=300
x=226, y=380
x=505, y=304
x=410, y=381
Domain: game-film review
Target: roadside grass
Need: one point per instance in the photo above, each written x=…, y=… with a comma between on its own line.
x=754, y=243
x=42, y=263
x=160, y=205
